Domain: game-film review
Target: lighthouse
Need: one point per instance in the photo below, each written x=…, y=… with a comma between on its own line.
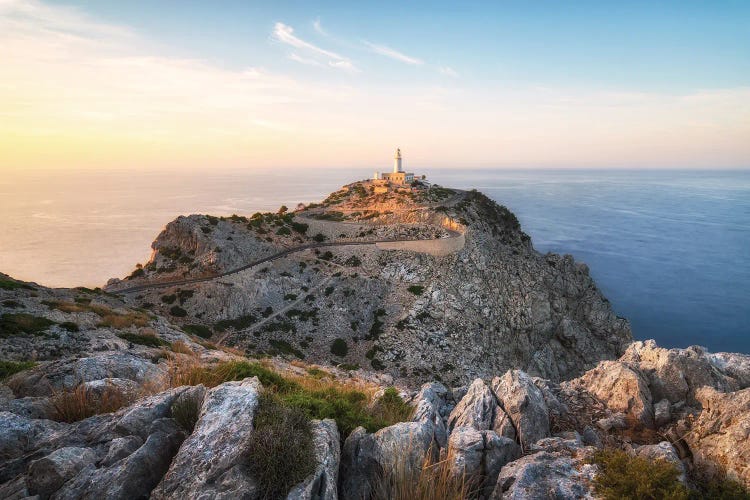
x=398, y=176
x=397, y=162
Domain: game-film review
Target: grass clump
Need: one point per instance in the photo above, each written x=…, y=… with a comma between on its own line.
x=280, y=450
x=82, y=402
x=22, y=323
x=141, y=339
x=11, y=284
x=198, y=330
x=8, y=368
x=622, y=476
x=416, y=289
x=339, y=347
x=185, y=411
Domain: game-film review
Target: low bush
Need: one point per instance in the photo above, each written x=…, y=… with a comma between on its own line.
x=8, y=368
x=280, y=450
x=169, y=299
x=284, y=347
x=185, y=411
x=622, y=476
x=140, y=339
x=198, y=330
x=416, y=289
x=13, y=304
x=11, y=284
x=177, y=311
x=236, y=323
x=299, y=227
x=81, y=402
x=22, y=323
x=319, y=238
x=339, y=347
x=70, y=326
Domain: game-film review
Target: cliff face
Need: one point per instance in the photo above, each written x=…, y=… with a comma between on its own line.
x=492, y=304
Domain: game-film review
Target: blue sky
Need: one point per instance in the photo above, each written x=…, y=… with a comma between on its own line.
x=522, y=84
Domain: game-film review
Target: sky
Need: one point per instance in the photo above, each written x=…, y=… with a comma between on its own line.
x=149, y=84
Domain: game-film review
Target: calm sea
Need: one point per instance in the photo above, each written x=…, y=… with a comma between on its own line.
x=670, y=249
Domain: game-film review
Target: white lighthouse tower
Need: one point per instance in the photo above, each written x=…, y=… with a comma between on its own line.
x=397, y=162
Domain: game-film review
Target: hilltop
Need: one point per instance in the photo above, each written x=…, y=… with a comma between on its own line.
x=453, y=288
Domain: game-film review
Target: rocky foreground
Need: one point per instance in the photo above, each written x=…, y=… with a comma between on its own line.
x=491, y=372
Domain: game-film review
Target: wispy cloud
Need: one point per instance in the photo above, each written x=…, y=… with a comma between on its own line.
x=392, y=53
x=319, y=28
x=285, y=34
x=304, y=60
x=448, y=71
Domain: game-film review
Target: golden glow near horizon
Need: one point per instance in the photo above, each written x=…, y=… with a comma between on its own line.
x=76, y=92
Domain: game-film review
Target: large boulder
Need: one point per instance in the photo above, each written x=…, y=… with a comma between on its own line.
x=366, y=458
x=524, y=403
x=48, y=474
x=478, y=456
x=718, y=438
x=478, y=409
x=211, y=462
x=546, y=475
x=621, y=389
x=323, y=483
x=430, y=407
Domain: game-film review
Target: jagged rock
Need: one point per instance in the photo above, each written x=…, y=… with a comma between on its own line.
x=675, y=374
x=19, y=435
x=366, y=457
x=546, y=475
x=132, y=477
x=30, y=407
x=662, y=451
x=137, y=419
x=479, y=409
x=120, y=448
x=719, y=436
x=524, y=403
x=210, y=462
x=48, y=474
x=616, y=421
x=662, y=412
x=480, y=455
x=430, y=406
x=68, y=373
x=622, y=389
x=323, y=483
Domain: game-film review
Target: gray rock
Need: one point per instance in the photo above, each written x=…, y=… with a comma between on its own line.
x=430, y=405
x=524, y=403
x=120, y=448
x=662, y=412
x=48, y=474
x=132, y=477
x=616, y=421
x=323, y=483
x=479, y=456
x=30, y=407
x=662, y=451
x=210, y=460
x=367, y=457
x=479, y=409
x=545, y=475
x=19, y=435
x=137, y=419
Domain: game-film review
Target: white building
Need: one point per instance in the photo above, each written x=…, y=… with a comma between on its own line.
x=398, y=176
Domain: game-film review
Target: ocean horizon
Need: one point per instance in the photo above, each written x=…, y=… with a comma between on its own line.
x=668, y=247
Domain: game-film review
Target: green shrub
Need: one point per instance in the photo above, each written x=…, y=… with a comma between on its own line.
x=70, y=326
x=290, y=296
x=319, y=238
x=300, y=227
x=22, y=323
x=280, y=449
x=178, y=311
x=416, y=289
x=13, y=304
x=147, y=340
x=339, y=347
x=283, y=231
x=328, y=291
x=353, y=261
x=348, y=366
x=185, y=411
x=622, y=476
x=239, y=370
x=198, y=330
x=8, y=368
x=11, y=284
x=285, y=347
x=236, y=323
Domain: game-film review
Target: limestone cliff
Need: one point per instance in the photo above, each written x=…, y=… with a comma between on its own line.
x=469, y=296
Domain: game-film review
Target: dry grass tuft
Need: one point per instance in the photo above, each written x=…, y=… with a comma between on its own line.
x=181, y=347
x=434, y=480
x=79, y=403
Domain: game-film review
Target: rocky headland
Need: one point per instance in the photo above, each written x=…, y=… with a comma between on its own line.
x=406, y=344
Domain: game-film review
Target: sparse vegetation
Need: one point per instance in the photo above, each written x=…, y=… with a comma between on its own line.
x=236, y=323
x=8, y=368
x=319, y=238
x=143, y=339
x=622, y=476
x=284, y=347
x=280, y=449
x=177, y=311
x=11, y=284
x=300, y=227
x=22, y=323
x=198, y=330
x=185, y=411
x=339, y=347
x=416, y=289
